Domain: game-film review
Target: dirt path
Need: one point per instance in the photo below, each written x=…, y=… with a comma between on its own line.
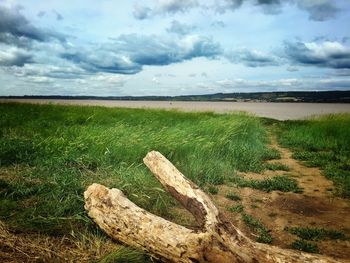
x=309, y=178
x=315, y=207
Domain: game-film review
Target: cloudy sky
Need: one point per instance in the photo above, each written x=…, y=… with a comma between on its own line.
x=172, y=47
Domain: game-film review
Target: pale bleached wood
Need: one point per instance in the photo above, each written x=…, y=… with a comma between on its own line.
x=217, y=241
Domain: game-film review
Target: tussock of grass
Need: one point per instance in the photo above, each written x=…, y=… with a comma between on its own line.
x=315, y=234
x=213, y=189
x=323, y=142
x=277, y=183
x=257, y=227
x=233, y=196
x=276, y=167
x=273, y=154
x=236, y=208
x=126, y=255
x=307, y=234
x=305, y=246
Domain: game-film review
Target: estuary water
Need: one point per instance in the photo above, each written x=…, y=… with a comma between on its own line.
x=275, y=110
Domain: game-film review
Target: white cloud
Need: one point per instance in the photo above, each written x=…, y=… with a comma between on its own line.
x=163, y=7
x=141, y=12
x=284, y=84
x=175, y=6
x=252, y=57
x=103, y=78
x=329, y=54
x=13, y=56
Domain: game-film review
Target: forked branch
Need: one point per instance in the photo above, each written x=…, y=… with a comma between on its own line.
x=217, y=241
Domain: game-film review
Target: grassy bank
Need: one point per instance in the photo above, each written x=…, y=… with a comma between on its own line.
x=322, y=142
x=50, y=154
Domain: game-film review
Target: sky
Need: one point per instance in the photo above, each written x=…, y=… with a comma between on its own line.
x=173, y=47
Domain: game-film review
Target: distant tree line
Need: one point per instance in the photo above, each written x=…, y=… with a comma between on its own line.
x=286, y=96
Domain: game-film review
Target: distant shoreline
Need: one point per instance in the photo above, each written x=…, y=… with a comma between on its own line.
x=288, y=96
x=275, y=110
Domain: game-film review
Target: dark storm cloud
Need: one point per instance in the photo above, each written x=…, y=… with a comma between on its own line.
x=13, y=23
x=14, y=27
x=129, y=53
x=270, y=6
x=252, y=58
x=319, y=10
x=326, y=54
x=268, y=2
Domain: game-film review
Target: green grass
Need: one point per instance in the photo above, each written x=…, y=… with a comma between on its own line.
x=276, y=167
x=316, y=234
x=273, y=154
x=50, y=154
x=212, y=189
x=233, y=196
x=281, y=183
x=305, y=246
x=323, y=142
x=236, y=208
x=126, y=255
x=263, y=234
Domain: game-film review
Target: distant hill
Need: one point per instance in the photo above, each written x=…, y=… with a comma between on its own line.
x=286, y=96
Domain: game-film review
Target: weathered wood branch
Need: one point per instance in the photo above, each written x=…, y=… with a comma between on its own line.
x=217, y=241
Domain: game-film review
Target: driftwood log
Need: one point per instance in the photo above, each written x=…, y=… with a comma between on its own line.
x=217, y=241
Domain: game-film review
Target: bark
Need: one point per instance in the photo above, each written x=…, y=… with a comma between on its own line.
x=217, y=240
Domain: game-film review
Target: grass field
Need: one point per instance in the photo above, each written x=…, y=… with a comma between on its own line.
x=50, y=154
